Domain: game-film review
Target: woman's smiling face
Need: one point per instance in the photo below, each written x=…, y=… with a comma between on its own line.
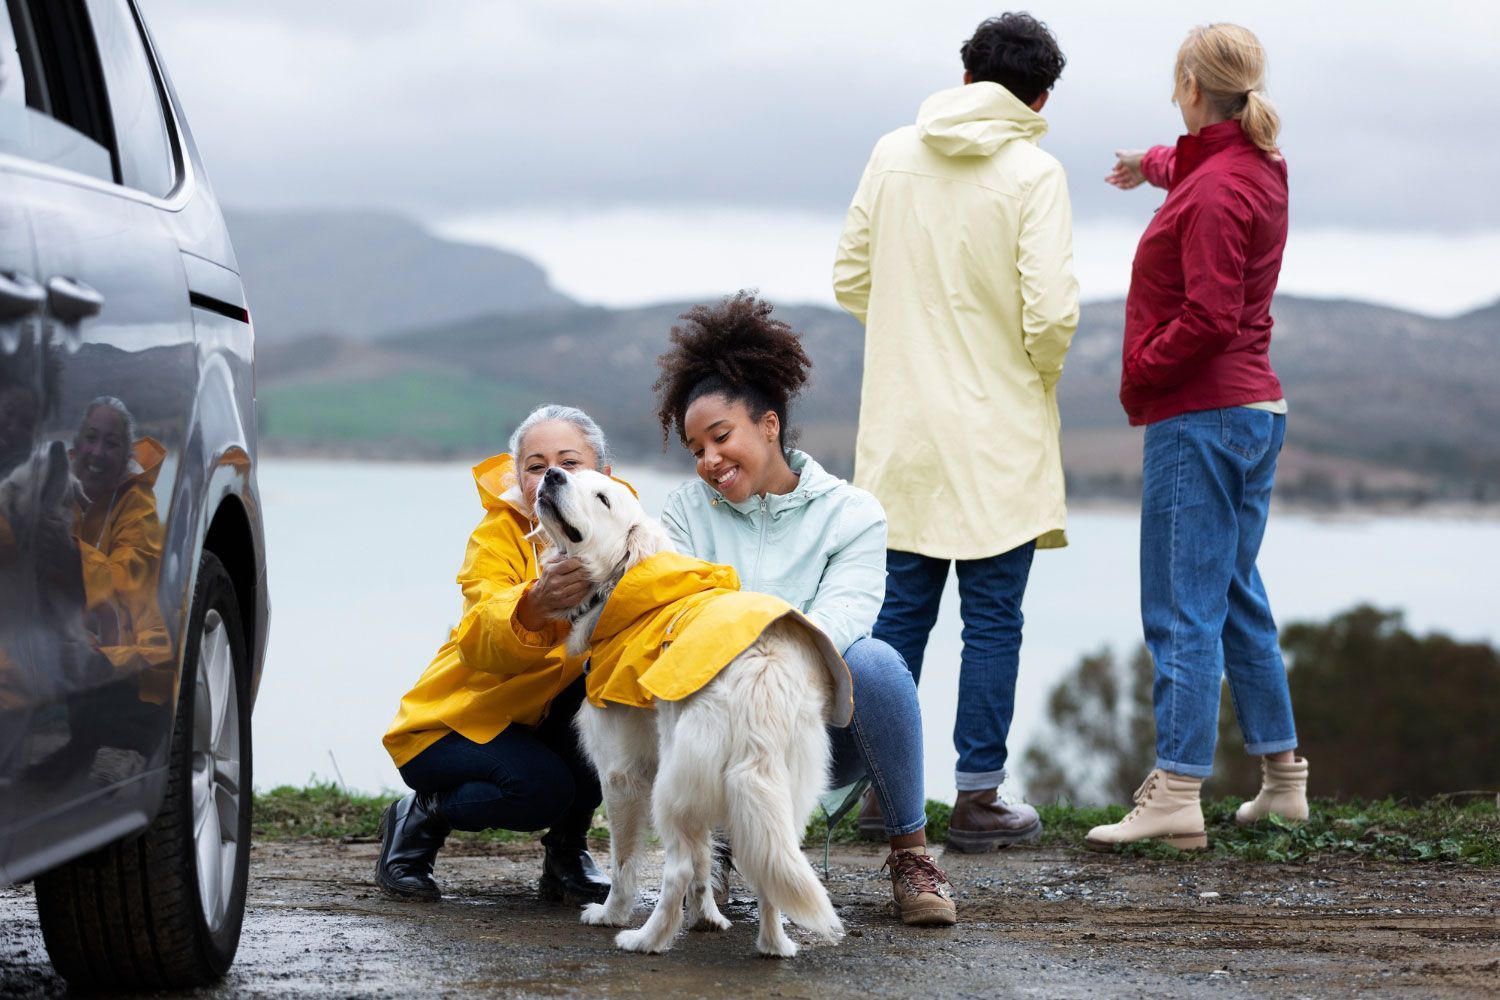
x=100, y=452
x=735, y=454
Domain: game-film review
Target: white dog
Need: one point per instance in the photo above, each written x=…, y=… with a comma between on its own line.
x=746, y=753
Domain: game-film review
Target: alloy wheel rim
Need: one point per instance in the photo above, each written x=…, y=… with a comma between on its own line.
x=215, y=780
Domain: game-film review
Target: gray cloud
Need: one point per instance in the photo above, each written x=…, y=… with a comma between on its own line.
x=465, y=106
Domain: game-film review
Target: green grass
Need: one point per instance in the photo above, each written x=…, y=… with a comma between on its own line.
x=446, y=410
x=1387, y=830
x=325, y=811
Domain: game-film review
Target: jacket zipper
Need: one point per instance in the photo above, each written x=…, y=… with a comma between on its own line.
x=760, y=553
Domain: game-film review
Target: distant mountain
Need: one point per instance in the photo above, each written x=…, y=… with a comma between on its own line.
x=362, y=274
x=1386, y=405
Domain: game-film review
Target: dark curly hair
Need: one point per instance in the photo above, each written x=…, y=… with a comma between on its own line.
x=734, y=349
x=1016, y=51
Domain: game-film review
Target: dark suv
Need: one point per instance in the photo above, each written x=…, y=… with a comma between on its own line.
x=132, y=574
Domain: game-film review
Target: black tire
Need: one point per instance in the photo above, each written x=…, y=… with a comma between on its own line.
x=132, y=915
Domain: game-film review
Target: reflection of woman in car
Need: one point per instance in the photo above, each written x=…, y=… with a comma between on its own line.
x=485, y=737
x=115, y=663
x=120, y=546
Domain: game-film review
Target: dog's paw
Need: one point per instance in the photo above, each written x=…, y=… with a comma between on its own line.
x=783, y=948
x=640, y=941
x=712, y=922
x=832, y=934
x=600, y=915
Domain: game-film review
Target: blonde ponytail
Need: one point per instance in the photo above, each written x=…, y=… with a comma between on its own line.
x=1261, y=123
x=1228, y=64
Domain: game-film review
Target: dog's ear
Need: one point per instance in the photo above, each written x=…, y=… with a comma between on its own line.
x=644, y=539
x=57, y=481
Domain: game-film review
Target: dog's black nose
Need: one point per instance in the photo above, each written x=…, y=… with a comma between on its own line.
x=555, y=477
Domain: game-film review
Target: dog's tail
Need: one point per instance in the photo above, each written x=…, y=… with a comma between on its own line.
x=778, y=765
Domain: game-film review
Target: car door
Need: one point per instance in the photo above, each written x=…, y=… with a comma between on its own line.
x=21, y=401
x=116, y=334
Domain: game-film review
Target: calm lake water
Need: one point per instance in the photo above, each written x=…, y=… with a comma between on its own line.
x=362, y=558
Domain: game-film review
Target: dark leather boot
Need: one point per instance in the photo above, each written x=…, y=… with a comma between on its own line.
x=411, y=832
x=569, y=874
x=983, y=821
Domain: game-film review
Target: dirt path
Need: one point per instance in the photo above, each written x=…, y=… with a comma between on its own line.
x=1033, y=923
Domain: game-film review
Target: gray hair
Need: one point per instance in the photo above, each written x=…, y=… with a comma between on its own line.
x=548, y=412
x=118, y=405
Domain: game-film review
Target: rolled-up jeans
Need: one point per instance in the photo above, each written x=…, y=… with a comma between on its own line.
x=884, y=742
x=1205, y=496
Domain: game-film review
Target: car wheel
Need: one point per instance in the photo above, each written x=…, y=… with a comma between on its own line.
x=163, y=909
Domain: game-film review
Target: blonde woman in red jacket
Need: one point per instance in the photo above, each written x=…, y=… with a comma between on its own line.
x=1196, y=372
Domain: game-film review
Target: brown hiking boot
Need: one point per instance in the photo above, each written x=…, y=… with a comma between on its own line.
x=923, y=896
x=983, y=821
x=871, y=821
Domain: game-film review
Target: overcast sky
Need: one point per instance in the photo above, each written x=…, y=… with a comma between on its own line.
x=665, y=148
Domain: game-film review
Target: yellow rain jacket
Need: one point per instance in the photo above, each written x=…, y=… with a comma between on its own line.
x=957, y=255
x=492, y=671
x=674, y=622
x=121, y=550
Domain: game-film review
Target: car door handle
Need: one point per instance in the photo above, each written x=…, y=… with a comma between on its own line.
x=19, y=296
x=71, y=300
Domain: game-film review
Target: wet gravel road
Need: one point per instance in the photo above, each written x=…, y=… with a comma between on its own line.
x=1044, y=923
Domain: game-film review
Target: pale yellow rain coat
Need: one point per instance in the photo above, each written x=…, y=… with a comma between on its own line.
x=674, y=622
x=492, y=671
x=957, y=255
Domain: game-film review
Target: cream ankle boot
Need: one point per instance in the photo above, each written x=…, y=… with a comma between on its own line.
x=1283, y=792
x=1166, y=809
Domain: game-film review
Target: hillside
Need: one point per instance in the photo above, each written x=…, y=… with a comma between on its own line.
x=367, y=274
x=1386, y=404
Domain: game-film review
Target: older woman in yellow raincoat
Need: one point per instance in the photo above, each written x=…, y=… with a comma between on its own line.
x=484, y=738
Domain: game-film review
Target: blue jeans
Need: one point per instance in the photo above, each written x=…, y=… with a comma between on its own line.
x=989, y=593
x=1205, y=495
x=526, y=778
x=884, y=742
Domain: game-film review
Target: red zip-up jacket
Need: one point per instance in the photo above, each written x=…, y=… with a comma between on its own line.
x=1198, y=316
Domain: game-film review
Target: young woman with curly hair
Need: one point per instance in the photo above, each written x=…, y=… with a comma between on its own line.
x=791, y=529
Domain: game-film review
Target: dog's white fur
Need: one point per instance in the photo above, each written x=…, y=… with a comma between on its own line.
x=747, y=754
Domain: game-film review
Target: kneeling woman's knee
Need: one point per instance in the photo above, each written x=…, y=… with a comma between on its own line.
x=536, y=798
x=876, y=668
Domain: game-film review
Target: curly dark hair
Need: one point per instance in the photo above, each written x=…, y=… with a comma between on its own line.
x=735, y=349
x=1016, y=51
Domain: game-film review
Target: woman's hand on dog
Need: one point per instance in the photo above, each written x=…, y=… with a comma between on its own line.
x=563, y=585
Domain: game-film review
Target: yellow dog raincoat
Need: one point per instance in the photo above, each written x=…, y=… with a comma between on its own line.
x=673, y=622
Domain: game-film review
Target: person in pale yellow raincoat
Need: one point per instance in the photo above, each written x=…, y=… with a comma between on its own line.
x=957, y=257
x=485, y=737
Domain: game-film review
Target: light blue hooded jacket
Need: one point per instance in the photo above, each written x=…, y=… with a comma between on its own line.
x=820, y=548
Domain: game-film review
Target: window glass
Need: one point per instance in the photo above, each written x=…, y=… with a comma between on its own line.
x=146, y=161
x=31, y=133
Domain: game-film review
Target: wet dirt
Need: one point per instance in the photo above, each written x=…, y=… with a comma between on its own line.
x=1045, y=923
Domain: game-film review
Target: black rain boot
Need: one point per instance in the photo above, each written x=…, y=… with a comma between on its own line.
x=569, y=874
x=411, y=832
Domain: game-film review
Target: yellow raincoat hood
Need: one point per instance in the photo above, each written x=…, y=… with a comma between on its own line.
x=674, y=622
x=976, y=120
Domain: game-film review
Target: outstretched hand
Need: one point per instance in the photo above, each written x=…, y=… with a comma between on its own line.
x=1127, y=173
